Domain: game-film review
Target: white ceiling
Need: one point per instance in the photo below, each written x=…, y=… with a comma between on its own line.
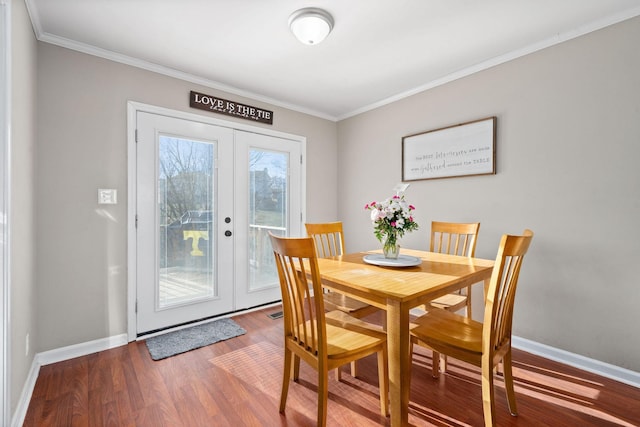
x=378, y=51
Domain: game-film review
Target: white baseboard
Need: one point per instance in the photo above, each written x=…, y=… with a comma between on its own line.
x=606, y=370
x=597, y=367
x=82, y=349
x=25, y=396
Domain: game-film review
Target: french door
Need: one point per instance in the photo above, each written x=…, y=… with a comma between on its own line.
x=269, y=182
x=206, y=198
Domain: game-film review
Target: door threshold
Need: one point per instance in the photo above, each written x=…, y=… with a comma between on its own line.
x=145, y=335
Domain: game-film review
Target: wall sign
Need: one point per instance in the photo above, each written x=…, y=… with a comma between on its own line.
x=460, y=150
x=230, y=108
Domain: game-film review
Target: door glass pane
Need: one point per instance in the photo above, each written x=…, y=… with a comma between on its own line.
x=186, y=183
x=268, y=204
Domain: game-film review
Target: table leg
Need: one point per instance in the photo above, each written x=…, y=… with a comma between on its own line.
x=399, y=362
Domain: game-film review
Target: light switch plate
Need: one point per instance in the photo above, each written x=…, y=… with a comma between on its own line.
x=107, y=196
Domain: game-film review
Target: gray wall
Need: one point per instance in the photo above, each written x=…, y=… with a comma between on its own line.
x=82, y=146
x=567, y=160
x=22, y=224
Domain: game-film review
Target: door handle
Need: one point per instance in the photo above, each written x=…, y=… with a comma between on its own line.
x=228, y=233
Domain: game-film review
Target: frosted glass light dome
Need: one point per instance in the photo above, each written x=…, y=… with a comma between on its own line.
x=310, y=25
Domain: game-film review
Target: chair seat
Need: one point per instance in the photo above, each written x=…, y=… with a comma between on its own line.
x=353, y=323
x=344, y=343
x=343, y=320
x=338, y=301
x=449, y=300
x=440, y=328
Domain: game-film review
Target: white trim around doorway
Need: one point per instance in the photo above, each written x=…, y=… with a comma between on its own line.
x=5, y=167
x=133, y=108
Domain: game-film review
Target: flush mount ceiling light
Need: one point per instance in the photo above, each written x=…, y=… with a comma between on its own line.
x=311, y=25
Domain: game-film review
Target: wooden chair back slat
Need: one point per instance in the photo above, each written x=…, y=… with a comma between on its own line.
x=328, y=238
x=454, y=238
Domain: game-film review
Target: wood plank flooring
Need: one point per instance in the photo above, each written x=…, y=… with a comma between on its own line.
x=237, y=383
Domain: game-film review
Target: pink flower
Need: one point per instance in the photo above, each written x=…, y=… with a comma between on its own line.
x=412, y=207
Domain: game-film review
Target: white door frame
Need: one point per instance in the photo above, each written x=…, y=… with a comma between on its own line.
x=5, y=163
x=134, y=107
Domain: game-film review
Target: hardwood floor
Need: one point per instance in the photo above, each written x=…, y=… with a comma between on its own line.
x=237, y=383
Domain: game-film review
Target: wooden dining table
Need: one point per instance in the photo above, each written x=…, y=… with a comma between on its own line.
x=397, y=290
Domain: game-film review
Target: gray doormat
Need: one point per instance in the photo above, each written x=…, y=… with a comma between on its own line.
x=172, y=343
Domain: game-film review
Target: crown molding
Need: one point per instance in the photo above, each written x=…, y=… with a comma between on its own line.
x=501, y=59
x=170, y=72
x=509, y=56
x=160, y=69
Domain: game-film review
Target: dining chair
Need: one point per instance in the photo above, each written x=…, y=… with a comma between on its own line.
x=308, y=335
x=454, y=239
x=328, y=238
x=483, y=344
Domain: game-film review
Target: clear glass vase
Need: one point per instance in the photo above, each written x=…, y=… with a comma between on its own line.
x=391, y=248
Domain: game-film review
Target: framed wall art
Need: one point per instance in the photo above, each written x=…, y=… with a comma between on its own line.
x=460, y=150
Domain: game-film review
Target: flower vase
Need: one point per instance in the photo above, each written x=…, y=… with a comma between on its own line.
x=391, y=248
